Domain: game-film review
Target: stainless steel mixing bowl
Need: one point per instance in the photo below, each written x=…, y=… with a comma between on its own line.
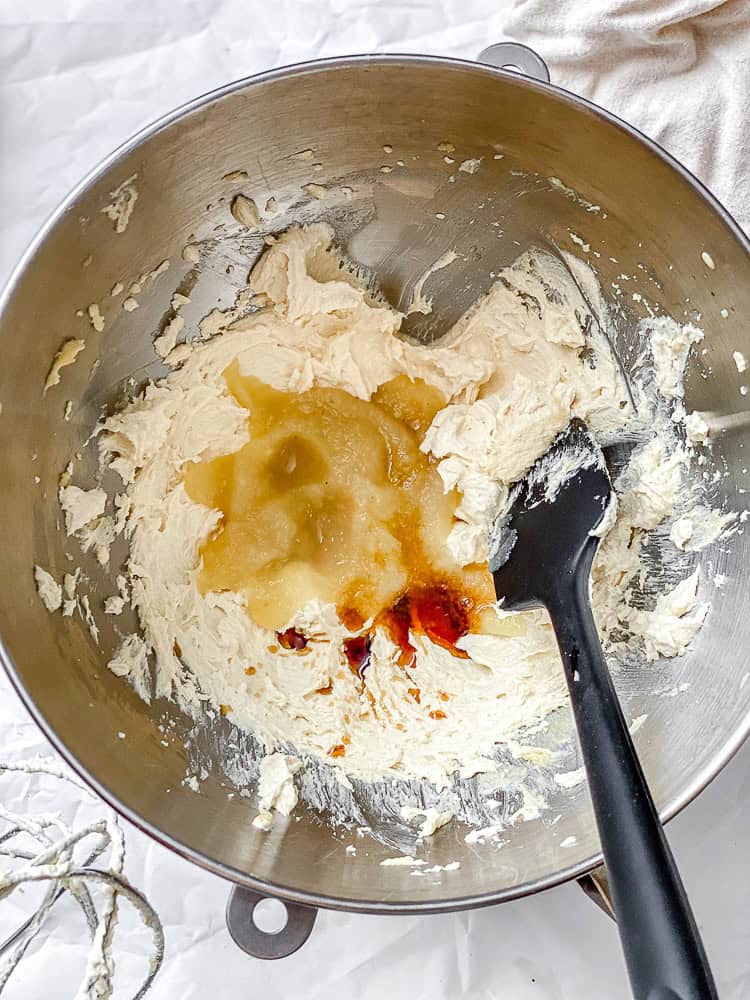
x=654, y=221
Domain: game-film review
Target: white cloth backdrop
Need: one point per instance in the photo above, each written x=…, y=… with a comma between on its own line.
x=76, y=78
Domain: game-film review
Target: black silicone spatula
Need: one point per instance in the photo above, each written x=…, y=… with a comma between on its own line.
x=541, y=554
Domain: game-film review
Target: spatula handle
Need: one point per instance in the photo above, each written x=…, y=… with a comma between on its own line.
x=660, y=939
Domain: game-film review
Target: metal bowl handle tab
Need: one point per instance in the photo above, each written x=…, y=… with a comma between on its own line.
x=517, y=58
x=261, y=944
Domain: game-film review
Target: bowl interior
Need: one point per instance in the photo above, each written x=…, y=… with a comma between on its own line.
x=551, y=169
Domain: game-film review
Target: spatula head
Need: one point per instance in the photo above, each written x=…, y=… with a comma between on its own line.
x=548, y=526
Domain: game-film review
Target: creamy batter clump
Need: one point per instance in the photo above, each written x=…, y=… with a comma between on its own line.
x=288, y=660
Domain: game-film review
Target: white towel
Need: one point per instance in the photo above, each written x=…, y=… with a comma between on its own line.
x=679, y=70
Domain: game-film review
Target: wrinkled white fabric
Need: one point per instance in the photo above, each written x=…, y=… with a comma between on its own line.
x=679, y=70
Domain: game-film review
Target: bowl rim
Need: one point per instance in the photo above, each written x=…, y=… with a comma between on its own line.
x=698, y=782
